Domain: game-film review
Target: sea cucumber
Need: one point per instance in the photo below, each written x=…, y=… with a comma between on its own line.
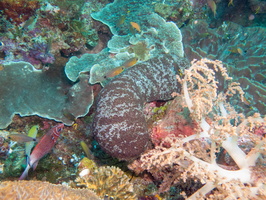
x=119, y=124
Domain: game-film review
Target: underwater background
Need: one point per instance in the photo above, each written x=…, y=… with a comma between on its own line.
x=131, y=99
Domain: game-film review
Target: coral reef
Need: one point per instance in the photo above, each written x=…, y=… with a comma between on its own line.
x=18, y=11
x=27, y=91
x=107, y=182
x=191, y=162
x=151, y=43
x=58, y=166
x=192, y=141
x=177, y=11
x=242, y=50
x=25, y=190
x=119, y=123
x=51, y=33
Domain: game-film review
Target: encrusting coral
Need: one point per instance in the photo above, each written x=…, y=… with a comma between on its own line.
x=194, y=159
x=38, y=190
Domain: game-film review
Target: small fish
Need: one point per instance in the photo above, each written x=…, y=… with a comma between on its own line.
x=85, y=148
x=68, y=115
x=213, y=6
x=237, y=50
x=20, y=138
x=257, y=10
x=204, y=35
x=75, y=126
x=231, y=3
x=246, y=101
x=240, y=51
x=114, y=72
x=118, y=70
x=121, y=20
x=42, y=148
x=28, y=145
x=130, y=62
x=135, y=26
x=49, y=45
x=30, y=23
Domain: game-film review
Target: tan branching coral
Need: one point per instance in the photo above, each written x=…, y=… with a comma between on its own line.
x=201, y=83
x=193, y=160
x=108, y=181
x=38, y=190
x=242, y=50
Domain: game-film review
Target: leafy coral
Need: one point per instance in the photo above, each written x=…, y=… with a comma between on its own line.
x=28, y=91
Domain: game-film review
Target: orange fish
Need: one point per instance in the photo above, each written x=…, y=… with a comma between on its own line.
x=120, y=69
x=130, y=62
x=115, y=72
x=213, y=6
x=135, y=26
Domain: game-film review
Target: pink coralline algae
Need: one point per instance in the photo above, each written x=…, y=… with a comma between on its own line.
x=174, y=123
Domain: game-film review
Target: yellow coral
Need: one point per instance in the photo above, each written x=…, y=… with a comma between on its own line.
x=86, y=163
x=37, y=190
x=108, y=181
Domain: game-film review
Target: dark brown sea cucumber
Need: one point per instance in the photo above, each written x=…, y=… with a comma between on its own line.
x=119, y=124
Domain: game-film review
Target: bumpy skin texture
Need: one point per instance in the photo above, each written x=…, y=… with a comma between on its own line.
x=119, y=124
